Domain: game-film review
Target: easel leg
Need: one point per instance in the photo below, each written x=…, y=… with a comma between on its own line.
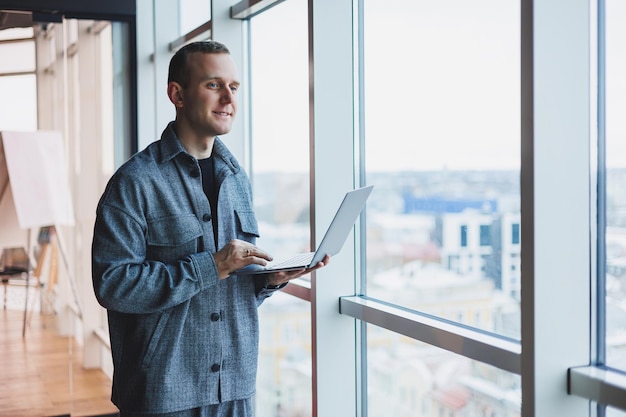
x=26, y=278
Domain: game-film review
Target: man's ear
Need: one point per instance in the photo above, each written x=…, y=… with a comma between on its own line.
x=175, y=94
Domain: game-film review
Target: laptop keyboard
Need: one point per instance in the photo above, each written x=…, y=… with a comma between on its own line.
x=303, y=259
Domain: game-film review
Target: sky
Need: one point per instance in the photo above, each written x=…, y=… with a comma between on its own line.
x=442, y=85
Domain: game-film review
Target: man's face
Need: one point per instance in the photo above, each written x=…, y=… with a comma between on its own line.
x=209, y=100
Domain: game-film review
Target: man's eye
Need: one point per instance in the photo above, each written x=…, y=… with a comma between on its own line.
x=234, y=88
x=213, y=85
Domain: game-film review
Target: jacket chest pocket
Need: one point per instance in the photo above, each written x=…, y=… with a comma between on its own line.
x=248, y=227
x=172, y=238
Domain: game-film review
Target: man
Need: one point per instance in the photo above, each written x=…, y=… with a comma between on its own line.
x=173, y=225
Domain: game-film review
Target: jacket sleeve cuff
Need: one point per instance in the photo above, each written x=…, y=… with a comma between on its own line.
x=206, y=269
x=268, y=286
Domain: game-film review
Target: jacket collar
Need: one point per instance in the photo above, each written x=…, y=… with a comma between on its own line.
x=170, y=146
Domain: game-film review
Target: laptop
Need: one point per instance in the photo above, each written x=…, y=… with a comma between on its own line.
x=334, y=238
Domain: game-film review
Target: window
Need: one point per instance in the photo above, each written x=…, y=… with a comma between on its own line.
x=284, y=373
x=615, y=218
x=25, y=50
x=515, y=234
x=463, y=236
x=446, y=167
x=193, y=13
x=613, y=412
x=18, y=80
x=279, y=129
x=440, y=383
x=20, y=113
x=485, y=235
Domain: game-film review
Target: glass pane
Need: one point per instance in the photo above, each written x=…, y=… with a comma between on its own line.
x=19, y=113
x=17, y=57
x=615, y=238
x=442, y=129
x=280, y=178
x=410, y=379
x=284, y=384
x=280, y=127
x=193, y=13
x=614, y=412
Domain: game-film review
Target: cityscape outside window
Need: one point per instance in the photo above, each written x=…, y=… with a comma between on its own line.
x=442, y=142
x=448, y=161
x=412, y=379
x=280, y=178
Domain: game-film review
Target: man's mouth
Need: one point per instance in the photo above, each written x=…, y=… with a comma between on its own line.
x=222, y=113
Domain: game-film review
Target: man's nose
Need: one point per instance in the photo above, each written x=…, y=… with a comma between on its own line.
x=228, y=96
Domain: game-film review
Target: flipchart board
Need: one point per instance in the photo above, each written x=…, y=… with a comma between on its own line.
x=34, y=171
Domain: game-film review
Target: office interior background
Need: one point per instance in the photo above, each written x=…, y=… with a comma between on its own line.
x=486, y=276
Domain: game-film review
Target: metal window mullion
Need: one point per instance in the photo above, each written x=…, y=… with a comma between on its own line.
x=247, y=9
x=600, y=281
x=204, y=30
x=555, y=211
x=604, y=386
x=490, y=349
x=361, y=342
x=331, y=86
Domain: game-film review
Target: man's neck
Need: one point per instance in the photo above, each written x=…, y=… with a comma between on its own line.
x=200, y=147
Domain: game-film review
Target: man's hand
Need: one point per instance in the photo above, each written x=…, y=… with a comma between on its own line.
x=281, y=277
x=237, y=254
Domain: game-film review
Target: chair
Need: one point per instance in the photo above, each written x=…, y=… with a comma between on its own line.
x=17, y=269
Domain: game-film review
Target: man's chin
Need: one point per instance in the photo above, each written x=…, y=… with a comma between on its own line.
x=223, y=129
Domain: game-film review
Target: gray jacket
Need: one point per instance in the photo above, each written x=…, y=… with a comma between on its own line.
x=180, y=337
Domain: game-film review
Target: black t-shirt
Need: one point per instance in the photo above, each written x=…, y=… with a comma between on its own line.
x=210, y=187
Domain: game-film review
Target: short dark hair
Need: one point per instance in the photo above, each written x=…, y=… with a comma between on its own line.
x=179, y=71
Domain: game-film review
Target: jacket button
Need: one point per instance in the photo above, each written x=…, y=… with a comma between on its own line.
x=195, y=172
x=206, y=217
x=215, y=367
x=215, y=316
